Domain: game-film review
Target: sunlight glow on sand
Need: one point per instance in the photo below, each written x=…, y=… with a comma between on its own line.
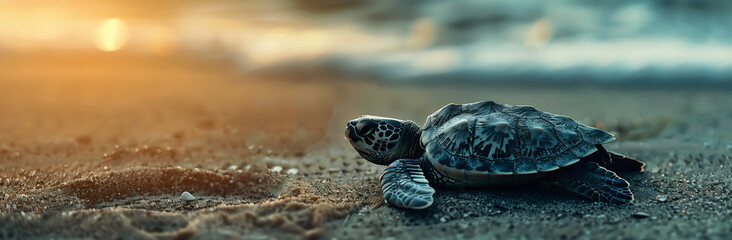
x=111, y=35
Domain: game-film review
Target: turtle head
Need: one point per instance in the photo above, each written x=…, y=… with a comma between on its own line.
x=383, y=140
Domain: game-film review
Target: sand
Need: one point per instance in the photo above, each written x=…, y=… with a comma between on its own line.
x=99, y=157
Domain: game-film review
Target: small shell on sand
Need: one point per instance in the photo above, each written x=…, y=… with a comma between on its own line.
x=186, y=196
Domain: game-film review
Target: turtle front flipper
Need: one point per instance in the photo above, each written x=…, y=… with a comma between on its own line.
x=596, y=183
x=404, y=185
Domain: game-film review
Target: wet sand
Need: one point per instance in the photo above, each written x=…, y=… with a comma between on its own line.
x=92, y=156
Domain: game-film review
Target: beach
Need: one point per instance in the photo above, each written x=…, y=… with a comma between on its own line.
x=109, y=157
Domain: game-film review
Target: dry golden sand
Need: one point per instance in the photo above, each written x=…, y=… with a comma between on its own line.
x=106, y=153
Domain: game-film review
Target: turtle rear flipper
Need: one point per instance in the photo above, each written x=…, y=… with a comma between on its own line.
x=404, y=185
x=615, y=161
x=596, y=183
x=620, y=162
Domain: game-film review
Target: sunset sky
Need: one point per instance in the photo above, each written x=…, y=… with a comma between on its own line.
x=397, y=39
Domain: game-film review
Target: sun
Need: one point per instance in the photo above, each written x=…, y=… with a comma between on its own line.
x=111, y=35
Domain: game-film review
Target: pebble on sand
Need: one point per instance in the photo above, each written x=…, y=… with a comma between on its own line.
x=186, y=196
x=661, y=198
x=640, y=215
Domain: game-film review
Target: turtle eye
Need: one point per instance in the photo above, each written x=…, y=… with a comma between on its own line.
x=366, y=129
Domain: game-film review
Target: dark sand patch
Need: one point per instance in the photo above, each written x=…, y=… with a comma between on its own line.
x=109, y=186
x=300, y=211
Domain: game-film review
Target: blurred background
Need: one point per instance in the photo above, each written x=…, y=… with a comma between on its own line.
x=653, y=41
x=213, y=80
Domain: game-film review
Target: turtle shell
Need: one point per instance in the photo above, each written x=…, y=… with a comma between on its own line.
x=490, y=138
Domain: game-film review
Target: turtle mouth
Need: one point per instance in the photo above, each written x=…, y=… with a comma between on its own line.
x=352, y=138
x=361, y=150
x=348, y=133
x=351, y=133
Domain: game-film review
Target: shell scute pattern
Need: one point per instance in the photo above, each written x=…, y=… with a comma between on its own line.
x=462, y=162
x=495, y=138
x=441, y=116
x=504, y=139
x=539, y=139
x=579, y=139
x=483, y=106
x=502, y=166
x=596, y=135
x=457, y=137
x=523, y=111
x=524, y=165
x=546, y=165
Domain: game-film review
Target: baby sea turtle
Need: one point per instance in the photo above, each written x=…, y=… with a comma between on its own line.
x=489, y=144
